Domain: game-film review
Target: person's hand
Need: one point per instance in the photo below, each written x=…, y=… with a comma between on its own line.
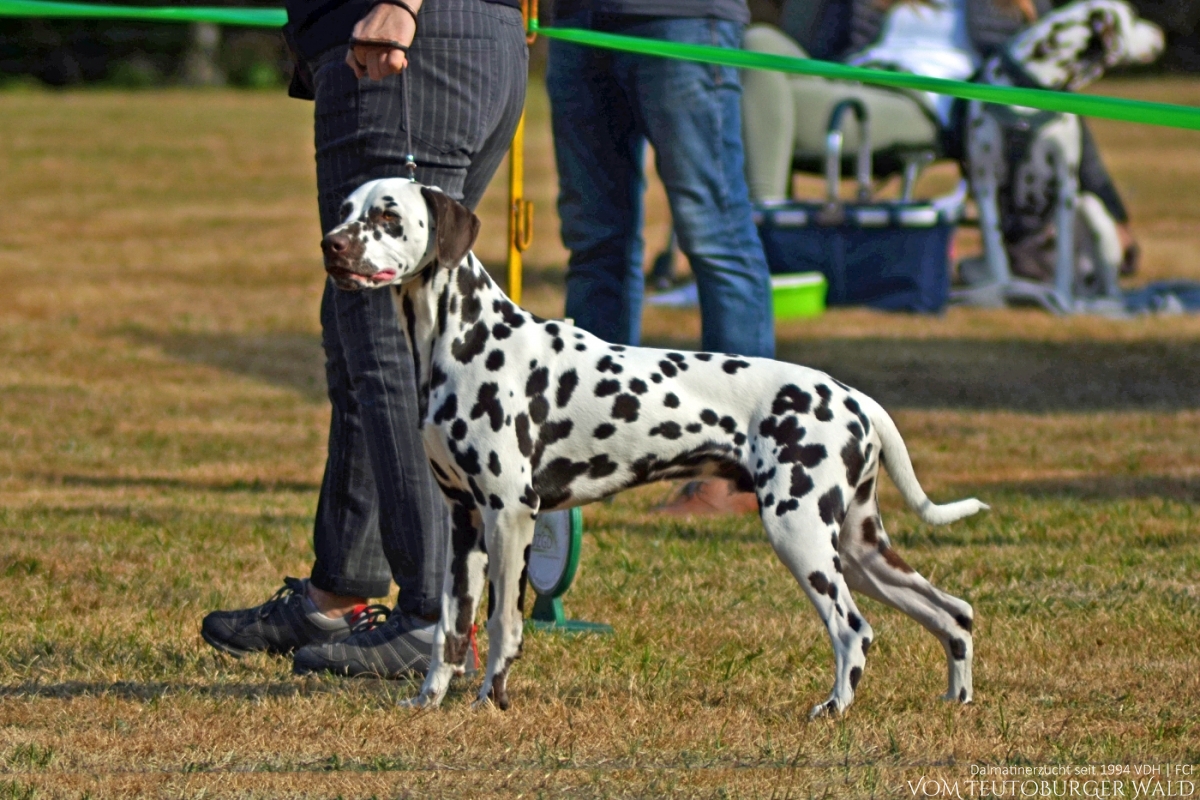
x=384, y=24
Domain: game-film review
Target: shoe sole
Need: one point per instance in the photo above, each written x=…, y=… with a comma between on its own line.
x=224, y=647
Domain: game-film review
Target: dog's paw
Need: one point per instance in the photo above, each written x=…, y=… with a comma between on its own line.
x=963, y=697
x=420, y=701
x=827, y=709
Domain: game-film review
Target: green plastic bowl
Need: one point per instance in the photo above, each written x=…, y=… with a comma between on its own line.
x=799, y=294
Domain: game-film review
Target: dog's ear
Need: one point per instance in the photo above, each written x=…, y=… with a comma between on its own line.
x=456, y=226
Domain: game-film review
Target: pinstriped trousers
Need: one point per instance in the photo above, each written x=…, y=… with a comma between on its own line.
x=380, y=515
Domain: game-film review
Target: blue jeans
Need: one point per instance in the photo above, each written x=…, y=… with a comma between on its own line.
x=604, y=107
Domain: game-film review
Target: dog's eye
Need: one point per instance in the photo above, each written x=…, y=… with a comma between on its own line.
x=391, y=216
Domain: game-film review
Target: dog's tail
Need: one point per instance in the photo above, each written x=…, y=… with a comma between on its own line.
x=895, y=459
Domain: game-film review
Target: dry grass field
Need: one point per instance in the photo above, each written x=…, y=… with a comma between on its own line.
x=162, y=426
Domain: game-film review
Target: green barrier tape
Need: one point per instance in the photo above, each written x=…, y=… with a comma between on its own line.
x=253, y=17
x=1174, y=116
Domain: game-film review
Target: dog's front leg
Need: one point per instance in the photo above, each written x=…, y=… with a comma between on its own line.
x=509, y=538
x=462, y=586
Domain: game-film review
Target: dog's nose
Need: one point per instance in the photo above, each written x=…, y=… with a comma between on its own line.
x=335, y=244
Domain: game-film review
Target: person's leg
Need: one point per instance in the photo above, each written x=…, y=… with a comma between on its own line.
x=599, y=156
x=466, y=75
x=692, y=116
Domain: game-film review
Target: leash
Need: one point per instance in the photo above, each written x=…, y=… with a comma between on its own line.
x=410, y=161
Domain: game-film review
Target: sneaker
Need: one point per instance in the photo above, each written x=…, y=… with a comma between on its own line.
x=287, y=621
x=385, y=644
x=711, y=496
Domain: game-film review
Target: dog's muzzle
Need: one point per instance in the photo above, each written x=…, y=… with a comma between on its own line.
x=347, y=267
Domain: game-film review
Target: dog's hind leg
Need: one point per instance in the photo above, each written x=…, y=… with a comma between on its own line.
x=804, y=534
x=874, y=568
x=462, y=587
x=509, y=538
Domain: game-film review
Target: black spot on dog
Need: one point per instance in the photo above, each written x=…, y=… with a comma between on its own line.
x=471, y=309
x=553, y=481
x=893, y=559
x=495, y=502
x=524, y=440
x=801, y=484
x=468, y=461
x=866, y=644
x=855, y=622
x=512, y=316
x=638, y=386
x=616, y=348
x=768, y=501
x=964, y=622
x=345, y=210
x=655, y=377
x=667, y=430
x=458, y=429
x=958, y=649
x=555, y=431
x=436, y=376
x=837, y=562
x=601, y=466
x=494, y=464
x=530, y=498
x=607, y=364
x=708, y=416
x=552, y=328
x=832, y=507
x=626, y=407
x=819, y=582
x=443, y=299
x=739, y=439
x=852, y=457
x=693, y=427
x=448, y=410
x=495, y=360
x=581, y=347
x=853, y=406
x=833, y=542
x=668, y=368
x=670, y=401
x=855, y=677
x=539, y=381
x=733, y=365
x=566, y=387
x=764, y=478
x=488, y=402
x=865, y=490
x=501, y=331
x=556, y=345
x=539, y=409
x=702, y=356
x=869, y=531
x=607, y=387
x=676, y=357
x=962, y=695
x=823, y=413
x=786, y=506
x=791, y=399
x=604, y=430
x=855, y=430
x=728, y=424
x=471, y=344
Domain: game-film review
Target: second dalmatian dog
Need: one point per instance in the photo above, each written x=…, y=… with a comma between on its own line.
x=523, y=415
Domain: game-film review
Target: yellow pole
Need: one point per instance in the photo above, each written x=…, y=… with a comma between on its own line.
x=520, y=212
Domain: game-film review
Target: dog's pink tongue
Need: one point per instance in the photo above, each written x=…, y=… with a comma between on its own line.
x=384, y=275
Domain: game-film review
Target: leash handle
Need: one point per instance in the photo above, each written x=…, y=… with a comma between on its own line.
x=410, y=161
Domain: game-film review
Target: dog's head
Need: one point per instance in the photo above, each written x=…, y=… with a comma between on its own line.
x=392, y=229
x=1074, y=45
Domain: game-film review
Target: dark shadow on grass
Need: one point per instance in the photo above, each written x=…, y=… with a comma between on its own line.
x=292, y=361
x=1013, y=374
x=220, y=487
x=1103, y=487
x=151, y=690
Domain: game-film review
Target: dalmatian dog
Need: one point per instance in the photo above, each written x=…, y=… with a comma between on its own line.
x=1023, y=163
x=523, y=415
